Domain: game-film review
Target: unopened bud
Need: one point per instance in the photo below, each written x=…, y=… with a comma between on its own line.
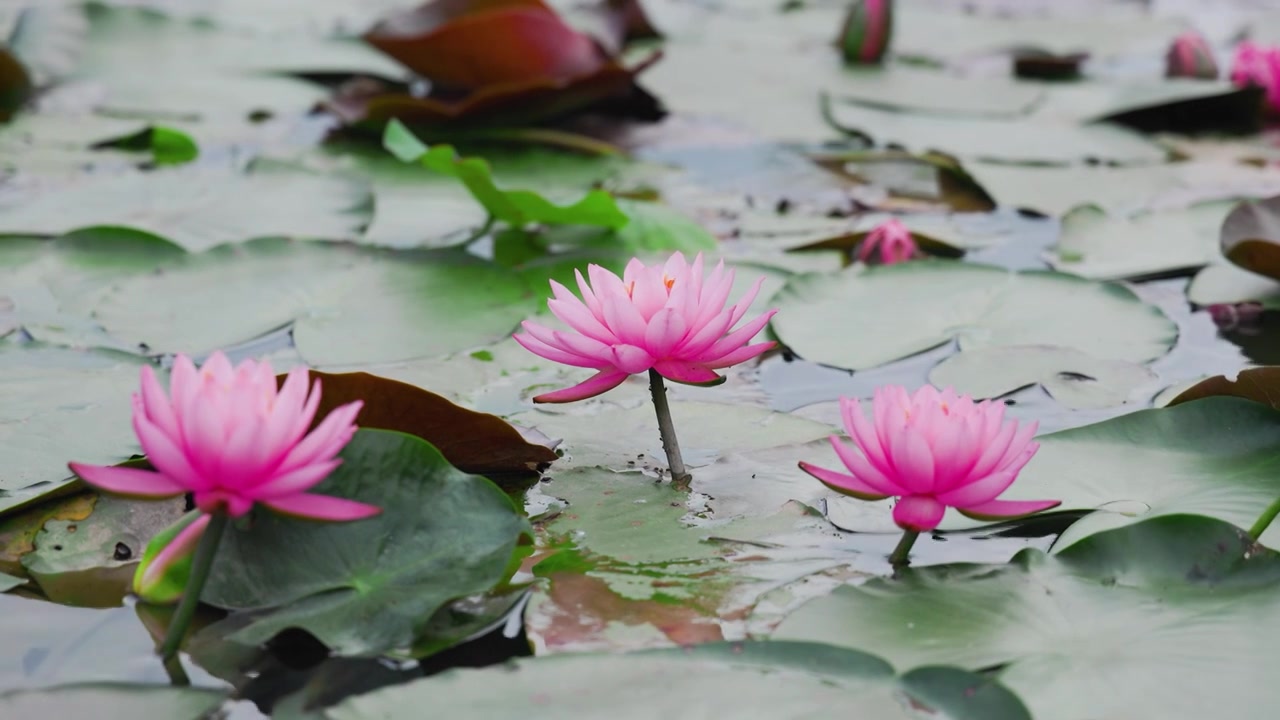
x=867, y=30
x=1191, y=57
x=166, y=563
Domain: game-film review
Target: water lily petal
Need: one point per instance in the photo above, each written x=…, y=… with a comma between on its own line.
x=130, y=482
x=688, y=373
x=1005, y=509
x=601, y=382
x=841, y=483
x=918, y=513
x=322, y=507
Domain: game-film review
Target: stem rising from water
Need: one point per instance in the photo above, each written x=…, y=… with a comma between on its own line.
x=667, y=429
x=900, y=557
x=201, y=563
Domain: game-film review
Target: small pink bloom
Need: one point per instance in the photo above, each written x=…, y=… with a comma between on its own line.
x=932, y=450
x=1256, y=65
x=894, y=241
x=662, y=317
x=1190, y=56
x=227, y=436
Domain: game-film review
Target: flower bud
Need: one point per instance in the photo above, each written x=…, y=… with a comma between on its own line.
x=892, y=239
x=166, y=562
x=1190, y=56
x=867, y=30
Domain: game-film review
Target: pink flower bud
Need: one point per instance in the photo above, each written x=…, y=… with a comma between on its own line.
x=166, y=563
x=867, y=30
x=1191, y=57
x=892, y=239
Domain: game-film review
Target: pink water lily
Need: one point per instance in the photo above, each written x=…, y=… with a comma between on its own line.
x=229, y=437
x=892, y=239
x=667, y=318
x=932, y=450
x=1258, y=66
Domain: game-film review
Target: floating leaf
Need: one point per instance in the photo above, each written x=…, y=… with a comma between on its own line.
x=1075, y=379
x=1260, y=384
x=113, y=702
x=90, y=561
x=912, y=307
x=1096, y=245
x=1229, y=284
x=1210, y=457
x=368, y=587
x=1000, y=140
x=1118, y=610
x=199, y=207
x=776, y=679
x=517, y=207
x=1251, y=236
x=473, y=442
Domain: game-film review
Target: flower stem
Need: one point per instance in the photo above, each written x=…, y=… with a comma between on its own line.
x=899, y=556
x=1264, y=522
x=679, y=475
x=200, y=566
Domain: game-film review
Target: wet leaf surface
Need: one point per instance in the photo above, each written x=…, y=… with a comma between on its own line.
x=367, y=587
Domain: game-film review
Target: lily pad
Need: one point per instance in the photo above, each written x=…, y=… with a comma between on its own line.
x=471, y=441
x=113, y=702
x=889, y=312
x=1119, y=610
x=1099, y=246
x=166, y=145
x=903, y=88
x=199, y=207
x=1075, y=379
x=1260, y=384
x=233, y=294
x=1210, y=457
x=1223, y=283
x=368, y=587
x=994, y=139
x=777, y=679
x=1251, y=236
x=60, y=405
x=90, y=562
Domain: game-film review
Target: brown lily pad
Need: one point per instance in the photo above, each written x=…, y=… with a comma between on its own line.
x=1250, y=236
x=498, y=62
x=15, y=84
x=471, y=441
x=1261, y=385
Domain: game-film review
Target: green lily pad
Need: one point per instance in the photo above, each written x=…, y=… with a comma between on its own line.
x=889, y=312
x=233, y=294
x=1196, y=103
x=1119, y=610
x=775, y=679
x=1075, y=379
x=996, y=139
x=113, y=702
x=199, y=207
x=1223, y=283
x=9, y=582
x=1106, y=30
x=90, y=561
x=706, y=430
x=368, y=587
x=60, y=405
x=1211, y=457
x=1099, y=246
x=517, y=207
x=903, y=88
